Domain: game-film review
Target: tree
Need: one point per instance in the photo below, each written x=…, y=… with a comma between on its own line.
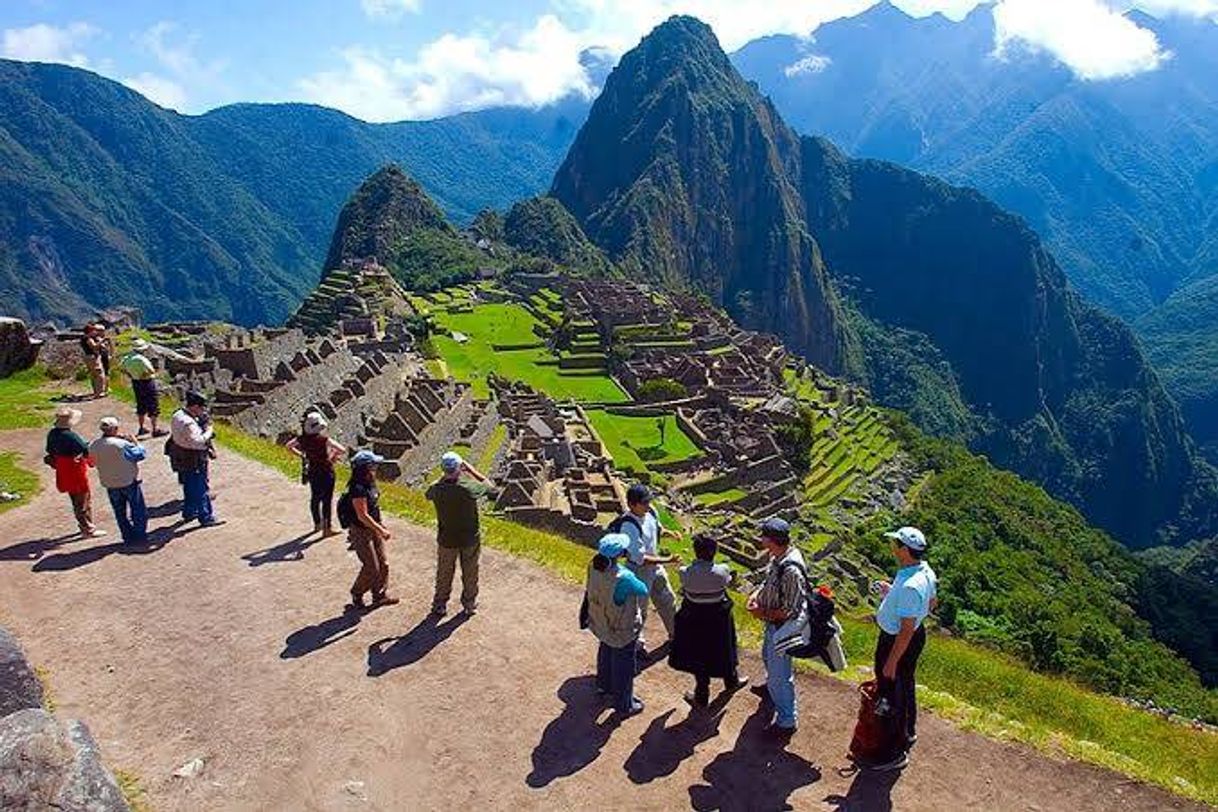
x=658, y=390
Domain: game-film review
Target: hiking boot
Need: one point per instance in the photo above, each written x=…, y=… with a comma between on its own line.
x=470, y=611
x=328, y=530
x=92, y=533
x=780, y=731
x=143, y=432
x=438, y=611
x=383, y=600
x=357, y=604
x=636, y=707
x=160, y=433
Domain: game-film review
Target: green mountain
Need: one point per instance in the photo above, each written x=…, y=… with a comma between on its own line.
x=699, y=190
x=709, y=188
x=1181, y=339
x=542, y=227
x=391, y=219
x=106, y=198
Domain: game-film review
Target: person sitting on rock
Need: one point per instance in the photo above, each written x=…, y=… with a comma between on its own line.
x=458, y=533
x=367, y=534
x=117, y=459
x=615, y=598
x=704, y=631
x=139, y=369
x=68, y=453
x=319, y=451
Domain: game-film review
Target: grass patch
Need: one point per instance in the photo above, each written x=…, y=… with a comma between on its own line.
x=713, y=498
x=16, y=479
x=133, y=791
x=27, y=399
x=634, y=442
x=979, y=689
x=493, y=444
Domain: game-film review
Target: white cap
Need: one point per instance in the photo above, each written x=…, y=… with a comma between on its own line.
x=450, y=463
x=911, y=537
x=108, y=424
x=314, y=422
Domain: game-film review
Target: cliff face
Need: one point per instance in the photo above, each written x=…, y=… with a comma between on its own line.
x=683, y=175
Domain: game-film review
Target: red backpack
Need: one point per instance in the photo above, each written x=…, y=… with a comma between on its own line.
x=870, y=743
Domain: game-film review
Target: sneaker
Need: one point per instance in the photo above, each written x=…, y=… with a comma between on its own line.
x=438, y=611
x=470, y=611
x=356, y=605
x=143, y=432
x=160, y=433
x=212, y=522
x=92, y=534
x=383, y=600
x=636, y=708
x=740, y=683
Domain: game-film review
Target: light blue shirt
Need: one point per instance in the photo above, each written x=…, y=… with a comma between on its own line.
x=644, y=538
x=913, y=591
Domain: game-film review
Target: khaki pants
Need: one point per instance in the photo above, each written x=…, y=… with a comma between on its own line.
x=82, y=507
x=374, y=570
x=97, y=374
x=446, y=567
x=656, y=579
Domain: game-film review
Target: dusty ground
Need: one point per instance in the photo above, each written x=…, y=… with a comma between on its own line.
x=229, y=644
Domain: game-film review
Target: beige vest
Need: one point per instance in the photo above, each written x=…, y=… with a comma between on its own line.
x=615, y=626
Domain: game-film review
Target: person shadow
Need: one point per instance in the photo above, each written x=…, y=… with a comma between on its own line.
x=35, y=549
x=576, y=737
x=758, y=774
x=165, y=509
x=395, y=652
x=62, y=562
x=871, y=791
x=291, y=550
x=661, y=749
x=319, y=635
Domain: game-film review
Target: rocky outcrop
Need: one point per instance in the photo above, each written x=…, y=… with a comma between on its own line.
x=46, y=763
x=17, y=350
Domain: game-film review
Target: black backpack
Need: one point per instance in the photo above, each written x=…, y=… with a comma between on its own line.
x=345, y=510
x=617, y=524
x=821, y=608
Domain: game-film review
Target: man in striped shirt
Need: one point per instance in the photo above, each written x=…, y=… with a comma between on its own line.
x=779, y=599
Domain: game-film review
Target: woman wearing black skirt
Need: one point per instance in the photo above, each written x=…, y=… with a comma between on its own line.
x=704, y=634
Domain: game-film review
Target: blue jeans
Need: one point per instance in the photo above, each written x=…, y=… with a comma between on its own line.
x=615, y=669
x=130, y=512
x=196, y=504
x=780, y=680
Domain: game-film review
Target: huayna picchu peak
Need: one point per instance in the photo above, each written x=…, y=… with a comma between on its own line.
x=685, y=174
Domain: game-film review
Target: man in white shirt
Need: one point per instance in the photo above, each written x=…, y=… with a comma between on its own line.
x=908, y=600
x=642, y=527
x=189, y=459
x=117, y=460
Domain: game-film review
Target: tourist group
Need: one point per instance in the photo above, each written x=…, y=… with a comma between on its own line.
x=625, y=575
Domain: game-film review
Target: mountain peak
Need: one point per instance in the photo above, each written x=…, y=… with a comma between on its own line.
x=388, y=205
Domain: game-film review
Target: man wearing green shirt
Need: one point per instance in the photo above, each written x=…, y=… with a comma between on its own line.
x=143, y=382
x=455, y=496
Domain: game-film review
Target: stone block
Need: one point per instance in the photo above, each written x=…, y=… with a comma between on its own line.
x=48, y=765
x=19, y=686
x=17, y=350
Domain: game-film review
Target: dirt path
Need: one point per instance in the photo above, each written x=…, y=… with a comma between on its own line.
x=229, y=644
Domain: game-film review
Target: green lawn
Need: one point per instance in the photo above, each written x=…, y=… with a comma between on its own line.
x=718, y=497
x=511, y=324
x=18, y=480
x=634, y=442
x=26, y=400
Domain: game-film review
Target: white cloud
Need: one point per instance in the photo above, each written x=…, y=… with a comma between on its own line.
x=389, y=9
x=161, y=90
x=1090, y=37
x=814, y=63
x=181, y=74
x=454, y=73
x=48, y=43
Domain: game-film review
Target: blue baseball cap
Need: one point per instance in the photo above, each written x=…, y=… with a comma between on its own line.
x=366, y=457
x=638, y=494
x=450, y=463
x=776, y=529
x=613, y=545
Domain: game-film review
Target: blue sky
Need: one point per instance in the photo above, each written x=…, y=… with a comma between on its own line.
x=385, y=60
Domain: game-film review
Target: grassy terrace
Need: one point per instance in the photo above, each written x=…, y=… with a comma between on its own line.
x=489, y=326
x=634, y=442
x=978, y=689
x=27, y=399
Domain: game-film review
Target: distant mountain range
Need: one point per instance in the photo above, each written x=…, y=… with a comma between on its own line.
x=106, y=198
x=1120, y=178
x=859, y=264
